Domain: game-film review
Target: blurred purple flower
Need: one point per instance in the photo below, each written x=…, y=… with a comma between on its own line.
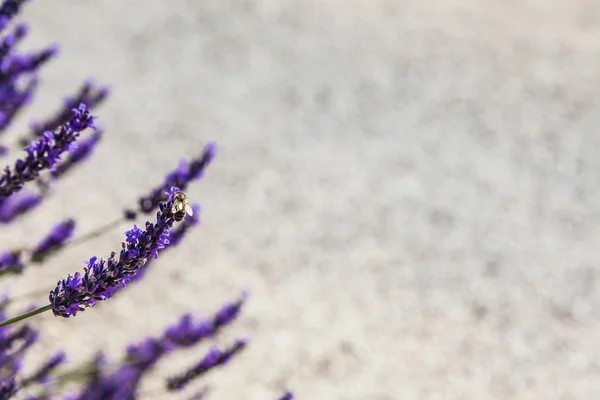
x=13, y=98
x=89, y=94
x=45, y=153
x=181, y=177
x=41, y=375
x=8, y=42
x=287, y=396
x=14, y=65
x=141, y=357
x=11, y=262
x=57, y=237
x=85, y=147
x=8, y=9
x=214, y=358
x=18, y=204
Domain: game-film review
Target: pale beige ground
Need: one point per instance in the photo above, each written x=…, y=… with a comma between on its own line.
x=409, y=191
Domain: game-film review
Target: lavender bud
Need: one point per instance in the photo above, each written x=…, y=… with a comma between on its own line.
x=287, y=396
x=45, y=153
x=18, y=204
x=8, y=9
x=214, y=358
x=13, y=99
x=60, y=233
x=41, y=375
x=9, y=41
x=14, y=65
x=84, y=149
x=103, y=277
x=185, y=333
x=11, y=262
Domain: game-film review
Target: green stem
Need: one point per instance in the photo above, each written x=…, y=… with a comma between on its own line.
x=25, y=315
x=95, y=233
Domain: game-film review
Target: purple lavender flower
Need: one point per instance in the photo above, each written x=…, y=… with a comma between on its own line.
x=85, y=147
x=213, y=359
x=181, y=177
x=187, y=333
x=175, y=237
x=60, y=233
x=45, y=153
x=14, y=65
x=89, y=94
x=287, y=396
x=9, y=41
x=8, y=10
x=141, y=357
x=13, y=99
x=41, y=375
x=11, y=262
x=18, y=204
x=8, y=388
x=103, y=277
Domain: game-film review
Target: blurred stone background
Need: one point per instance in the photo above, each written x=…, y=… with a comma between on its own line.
x=409, y=190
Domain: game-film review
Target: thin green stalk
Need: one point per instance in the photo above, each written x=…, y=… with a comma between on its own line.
x=25, y=315
x=95, y=233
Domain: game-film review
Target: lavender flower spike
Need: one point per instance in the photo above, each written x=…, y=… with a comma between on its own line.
x=18, y=204
x=41, y=375
x=287, y=396
x=103, y=277
x=45, y=153
x=213, y=359
x=60, y=233
x=181, y=177
x=8, y=10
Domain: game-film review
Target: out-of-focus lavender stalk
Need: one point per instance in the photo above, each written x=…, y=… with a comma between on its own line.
x=14, y=65
x=84, y=149
x=8, y=42
x=60, y=233
x=89, y=94
x=45, y=153
x=181, y=177
x=141, y=357
x=12, y=261
x=214, y=358
x=18, y=204
x=8, y=9
x=287, y=396
x=41, y=375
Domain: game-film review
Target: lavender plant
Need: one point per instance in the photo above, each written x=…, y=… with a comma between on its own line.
x=53, y=147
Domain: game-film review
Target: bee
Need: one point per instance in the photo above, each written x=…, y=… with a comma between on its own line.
x=180, y=207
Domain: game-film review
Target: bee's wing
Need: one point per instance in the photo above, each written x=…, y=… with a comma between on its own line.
x=189, y=210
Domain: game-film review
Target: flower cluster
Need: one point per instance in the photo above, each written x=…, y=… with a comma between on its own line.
x=45, y=153
x=104, y=277
x=54, y=146
x=140, y=358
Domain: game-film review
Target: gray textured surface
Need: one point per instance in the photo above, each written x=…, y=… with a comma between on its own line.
x=409, y=191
